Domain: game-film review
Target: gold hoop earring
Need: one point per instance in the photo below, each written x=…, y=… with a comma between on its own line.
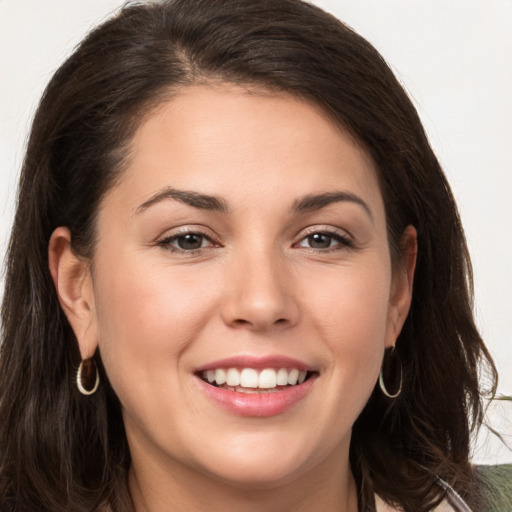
x=391, y=372
x=87, y=377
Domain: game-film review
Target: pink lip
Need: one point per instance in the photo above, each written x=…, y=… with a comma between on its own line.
x=258, y=363
x=261, y=404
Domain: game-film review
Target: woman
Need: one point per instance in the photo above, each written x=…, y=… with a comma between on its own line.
x=237, y=279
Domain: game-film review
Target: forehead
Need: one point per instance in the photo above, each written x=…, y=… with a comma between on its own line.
x=213, y=139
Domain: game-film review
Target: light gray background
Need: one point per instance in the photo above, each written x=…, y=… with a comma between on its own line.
x=454, y=58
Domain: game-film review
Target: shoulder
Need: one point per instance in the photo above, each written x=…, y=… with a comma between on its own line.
x=497, y=485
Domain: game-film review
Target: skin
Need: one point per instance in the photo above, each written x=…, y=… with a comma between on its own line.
x=256, y=287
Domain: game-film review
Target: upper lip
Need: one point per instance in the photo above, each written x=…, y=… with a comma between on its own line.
x=257, y=362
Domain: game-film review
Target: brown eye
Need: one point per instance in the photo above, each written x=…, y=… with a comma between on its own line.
x=190, y=241
x=325, y=240
x=319, y=241
x=186, y=242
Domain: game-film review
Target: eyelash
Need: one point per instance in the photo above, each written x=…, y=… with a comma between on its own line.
x=343, y=241
x=167, y=242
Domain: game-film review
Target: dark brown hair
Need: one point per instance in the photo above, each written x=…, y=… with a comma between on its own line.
x=63, y=451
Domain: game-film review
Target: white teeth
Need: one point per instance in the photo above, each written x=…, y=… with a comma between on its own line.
x=233, y=377
x=293, y=376
x=252, y=379
x=267, y=379
x=249, y=378
x=220, y=376
x=282, y=377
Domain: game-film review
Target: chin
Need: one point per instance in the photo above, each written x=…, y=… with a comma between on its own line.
x=250, y=475
x=263, y=462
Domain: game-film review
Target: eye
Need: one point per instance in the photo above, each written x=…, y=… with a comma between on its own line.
x=323, y=240
x=190, y=241
x=186, y=242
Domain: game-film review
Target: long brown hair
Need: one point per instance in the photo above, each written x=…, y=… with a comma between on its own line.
x=63, y=451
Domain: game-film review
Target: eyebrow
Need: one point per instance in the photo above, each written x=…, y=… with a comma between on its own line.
x=304, y=204
x=195, y=199
x=313, y=202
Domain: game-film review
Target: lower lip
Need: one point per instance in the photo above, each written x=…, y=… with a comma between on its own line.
x=258, y=404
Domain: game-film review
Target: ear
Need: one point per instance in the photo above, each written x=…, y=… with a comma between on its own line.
x=72, y=279
x=401, y=286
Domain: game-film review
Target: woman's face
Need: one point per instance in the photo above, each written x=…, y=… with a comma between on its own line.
x=246, y=240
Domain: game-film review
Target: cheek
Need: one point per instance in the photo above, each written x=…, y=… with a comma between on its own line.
x=147, y=315
x=350, y=311
x=352, y=294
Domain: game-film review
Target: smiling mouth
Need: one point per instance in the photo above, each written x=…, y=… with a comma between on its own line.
x=250, y=380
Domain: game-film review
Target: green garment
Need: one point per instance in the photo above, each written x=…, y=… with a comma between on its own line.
x=497, y=481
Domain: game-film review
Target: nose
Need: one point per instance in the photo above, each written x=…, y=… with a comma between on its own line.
x=260, y=293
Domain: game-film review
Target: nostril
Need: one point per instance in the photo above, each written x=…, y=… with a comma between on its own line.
x=240, y=322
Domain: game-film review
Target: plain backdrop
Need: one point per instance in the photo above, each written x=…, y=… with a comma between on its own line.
x=455, y=60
